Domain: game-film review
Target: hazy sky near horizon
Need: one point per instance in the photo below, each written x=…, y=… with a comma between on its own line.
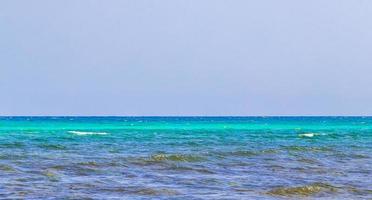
x=186, y=57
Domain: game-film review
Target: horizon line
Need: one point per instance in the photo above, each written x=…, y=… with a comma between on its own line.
x=170, y=116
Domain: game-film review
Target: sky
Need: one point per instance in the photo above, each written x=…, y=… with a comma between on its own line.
x=186, y=57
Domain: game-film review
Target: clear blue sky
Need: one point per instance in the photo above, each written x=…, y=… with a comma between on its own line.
x=186, y=57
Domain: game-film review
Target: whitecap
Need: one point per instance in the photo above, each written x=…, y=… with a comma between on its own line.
x=87, y=133
x=307, y=135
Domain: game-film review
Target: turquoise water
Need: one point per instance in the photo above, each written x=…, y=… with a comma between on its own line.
x=185, y=157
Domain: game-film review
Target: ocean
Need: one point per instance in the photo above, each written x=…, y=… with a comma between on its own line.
x=185, y=157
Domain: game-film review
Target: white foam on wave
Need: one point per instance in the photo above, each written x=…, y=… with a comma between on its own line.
x=87, y=133
x=307, y=135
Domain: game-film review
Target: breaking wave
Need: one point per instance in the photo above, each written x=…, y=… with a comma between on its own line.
x=87, y=133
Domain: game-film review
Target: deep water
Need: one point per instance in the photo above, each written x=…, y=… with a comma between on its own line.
x=185, y=157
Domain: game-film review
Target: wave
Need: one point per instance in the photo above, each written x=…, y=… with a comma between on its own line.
x=309, y=134
x=175, y=157
x=165, y=158
x=295, y=148
x=306, y=190
x=87, y=133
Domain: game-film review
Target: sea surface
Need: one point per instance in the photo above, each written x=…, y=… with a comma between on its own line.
x=185, y=158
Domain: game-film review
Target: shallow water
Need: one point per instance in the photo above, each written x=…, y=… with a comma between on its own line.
x=185, y=158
